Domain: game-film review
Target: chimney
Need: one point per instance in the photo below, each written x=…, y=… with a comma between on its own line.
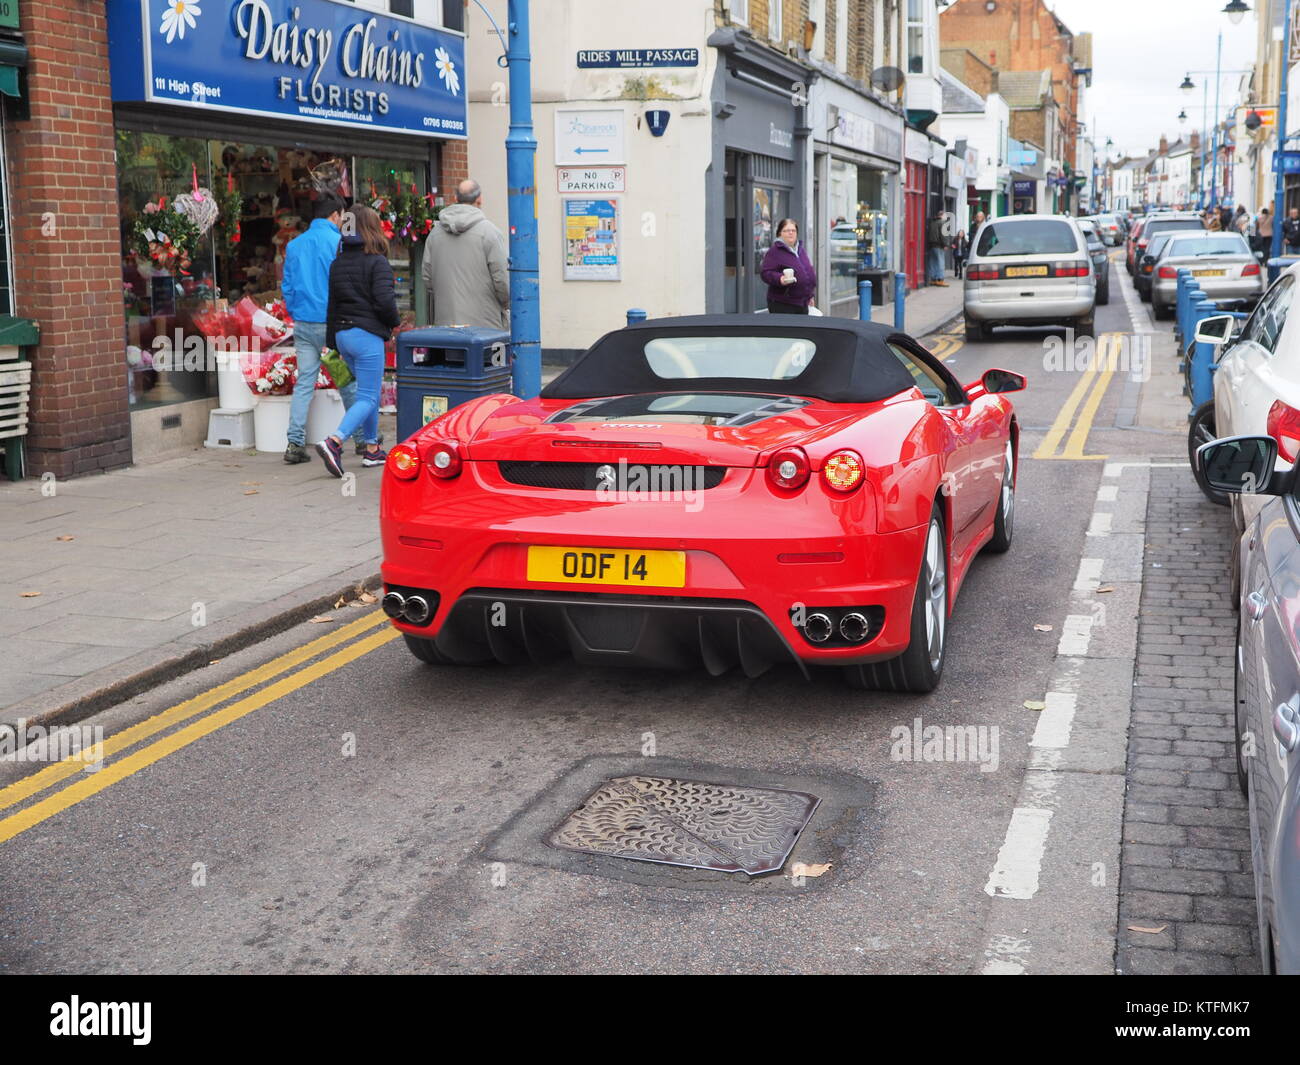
x=1164, y=144
x=1195, y=141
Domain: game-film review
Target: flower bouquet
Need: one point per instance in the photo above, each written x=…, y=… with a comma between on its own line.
x=165, y=238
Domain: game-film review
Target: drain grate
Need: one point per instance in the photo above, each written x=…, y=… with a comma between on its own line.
x=688, y=822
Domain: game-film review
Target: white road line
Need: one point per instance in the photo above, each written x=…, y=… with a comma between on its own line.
x=1054, y=723
x=1075, y=634
x=1089, y=577
x=1015, y=876
x=1100, y=525
x=1107, y=493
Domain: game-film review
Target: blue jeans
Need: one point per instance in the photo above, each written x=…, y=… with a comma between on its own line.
x=935, y=259
x=308, y=339
x=364, y=354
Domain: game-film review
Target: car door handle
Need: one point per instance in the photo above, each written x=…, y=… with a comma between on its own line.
x=1256, y=605
x=1286, y=725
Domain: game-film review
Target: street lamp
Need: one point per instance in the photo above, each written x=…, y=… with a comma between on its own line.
x=1236, y=11
x=1188, y=86
x=1182, y=118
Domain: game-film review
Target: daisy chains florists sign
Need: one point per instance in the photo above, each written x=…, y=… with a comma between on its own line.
x=308, y=60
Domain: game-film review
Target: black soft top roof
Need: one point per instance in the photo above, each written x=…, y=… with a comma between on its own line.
x=853, y=363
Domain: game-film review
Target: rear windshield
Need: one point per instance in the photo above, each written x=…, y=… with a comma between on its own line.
x=1225, y=245
x=756, y=358
x=1172, y=225
x=1041, y=236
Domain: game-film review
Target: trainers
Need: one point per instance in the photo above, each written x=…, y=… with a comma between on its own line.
x=296, y=453
x=331, y=453
x=374, y=458
x=361, y=448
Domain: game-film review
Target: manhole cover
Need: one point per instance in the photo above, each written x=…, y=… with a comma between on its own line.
x=688, y=822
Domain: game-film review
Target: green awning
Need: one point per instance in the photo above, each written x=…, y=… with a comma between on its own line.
x=13, y=56
x=19, y=332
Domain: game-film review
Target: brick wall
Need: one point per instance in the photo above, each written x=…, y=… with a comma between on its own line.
x=454, y=159
x=67, y=270
x=969, y=69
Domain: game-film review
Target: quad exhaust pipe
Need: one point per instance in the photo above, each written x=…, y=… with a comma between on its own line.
x=413, y=609
x=854, y=627
x=818, y=627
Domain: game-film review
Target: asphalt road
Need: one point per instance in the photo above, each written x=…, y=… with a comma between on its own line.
x=366, y=813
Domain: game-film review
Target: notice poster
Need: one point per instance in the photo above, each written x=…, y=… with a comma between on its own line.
x=591, y=240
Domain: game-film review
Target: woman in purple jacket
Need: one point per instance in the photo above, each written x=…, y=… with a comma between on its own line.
x=791, y=279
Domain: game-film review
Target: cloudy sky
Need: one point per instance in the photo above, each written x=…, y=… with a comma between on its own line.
x=1141, y=50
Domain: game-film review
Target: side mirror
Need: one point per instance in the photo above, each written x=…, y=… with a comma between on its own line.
x=1217, y=329
x=995, y=381
x=1242, y=465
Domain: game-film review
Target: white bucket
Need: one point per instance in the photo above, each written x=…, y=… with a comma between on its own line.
x=324, y=414
x=233, y=390
x=271, y=422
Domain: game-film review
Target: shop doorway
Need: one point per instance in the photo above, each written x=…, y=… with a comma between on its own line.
x=914, y=193
x=756, y=200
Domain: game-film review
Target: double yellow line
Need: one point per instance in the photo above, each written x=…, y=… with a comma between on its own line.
x=1097, y=378
x=946, y=345
x=91, y=783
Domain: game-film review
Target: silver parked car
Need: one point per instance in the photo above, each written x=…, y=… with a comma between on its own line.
x=1267, y=690
x=1029, y=269
x=1222, y=264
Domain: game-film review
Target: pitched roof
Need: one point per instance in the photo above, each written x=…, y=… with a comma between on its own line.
x=1024, y=89
x=959, y=98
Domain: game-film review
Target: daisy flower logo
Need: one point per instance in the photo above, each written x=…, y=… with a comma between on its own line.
x=447, y=70
x=176, y=16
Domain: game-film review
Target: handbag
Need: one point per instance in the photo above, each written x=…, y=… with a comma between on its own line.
x=337, y=368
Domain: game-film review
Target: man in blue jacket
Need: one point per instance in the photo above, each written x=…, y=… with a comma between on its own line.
x=307, y=260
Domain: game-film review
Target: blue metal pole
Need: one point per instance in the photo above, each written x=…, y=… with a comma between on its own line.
x=900, y=301
x=1214, y=166
x=1279, y=191
x=521, y=177
x=864, y=301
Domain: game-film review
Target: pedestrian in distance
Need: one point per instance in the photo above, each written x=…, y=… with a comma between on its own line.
x=936, y=241
x=960, y=250
x=464, y=266
x=361, y=317
x=1291, y=231
x=791, y=279
x=1241, y=221
x=1212, y=222
x=1263, y=242
x=307, y=260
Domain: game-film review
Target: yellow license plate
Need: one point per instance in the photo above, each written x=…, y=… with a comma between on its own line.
x=599, y=565
x=1026, y=271
x=1208, y=273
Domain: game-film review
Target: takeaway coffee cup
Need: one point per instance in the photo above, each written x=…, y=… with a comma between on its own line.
x=787, y=274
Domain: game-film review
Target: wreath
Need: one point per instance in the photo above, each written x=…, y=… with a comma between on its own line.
x=406, y=216
x=165, y=237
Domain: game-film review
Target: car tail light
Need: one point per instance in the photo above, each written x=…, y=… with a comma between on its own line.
x=842, y=471
x=444, y=459
x=1284, y=427
x=1141, y=243
x=1168, y=272
x=788, y=468
x=1250, y=270
x=1070, y=269
x=982, y=273
x=403, y=462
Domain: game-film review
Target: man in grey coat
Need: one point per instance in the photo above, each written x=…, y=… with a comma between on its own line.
x=465, y=265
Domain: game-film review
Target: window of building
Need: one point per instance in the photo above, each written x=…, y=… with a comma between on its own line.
x=817, y=16
x=402, y=7
x=776, y=21
x=916, y=36
x=739, y=11
x=842, y=35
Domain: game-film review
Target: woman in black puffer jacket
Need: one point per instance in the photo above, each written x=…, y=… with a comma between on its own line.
x=361, y=317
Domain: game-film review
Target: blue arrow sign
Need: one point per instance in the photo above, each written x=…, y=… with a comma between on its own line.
x=589, y=151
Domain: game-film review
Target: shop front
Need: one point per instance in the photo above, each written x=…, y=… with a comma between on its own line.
x=226, y=131
x=915, y=195
x=760, y=145
x=858, y=185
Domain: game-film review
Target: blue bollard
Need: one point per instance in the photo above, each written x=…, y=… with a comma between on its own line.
x=1202, y=356
x=900, y=301
x=1192, y=295
x=864, y=301
x=1184, y=278
x=634, y=315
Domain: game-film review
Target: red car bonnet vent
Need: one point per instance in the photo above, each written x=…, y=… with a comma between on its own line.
x=607, y=443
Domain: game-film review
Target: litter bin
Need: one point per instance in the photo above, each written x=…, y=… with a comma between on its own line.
x=443, y=367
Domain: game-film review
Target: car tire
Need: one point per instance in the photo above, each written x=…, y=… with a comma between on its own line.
x=1005, y=520
x=1202, y=431
x=427, y=651
x=976, y=332
x=1162, y=311
x=1086, y=327
x=919, y=668
x=1144, y=294
x=1103, y=294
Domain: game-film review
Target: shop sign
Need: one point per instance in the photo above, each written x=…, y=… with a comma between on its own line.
x=622, y=58
x=306, y=60
x=591, y=240
x=1022, y=188
x=9, y=14
x=1290, y=162
x=956, y=171
x=592, y=178
x=863, y=135
x=591, y=136
x=918, y=146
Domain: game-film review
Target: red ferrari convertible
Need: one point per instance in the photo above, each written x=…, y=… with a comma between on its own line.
x=717, y=490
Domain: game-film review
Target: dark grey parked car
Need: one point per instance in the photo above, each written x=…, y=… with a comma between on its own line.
x=1100, y=259
x=1268, y=684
